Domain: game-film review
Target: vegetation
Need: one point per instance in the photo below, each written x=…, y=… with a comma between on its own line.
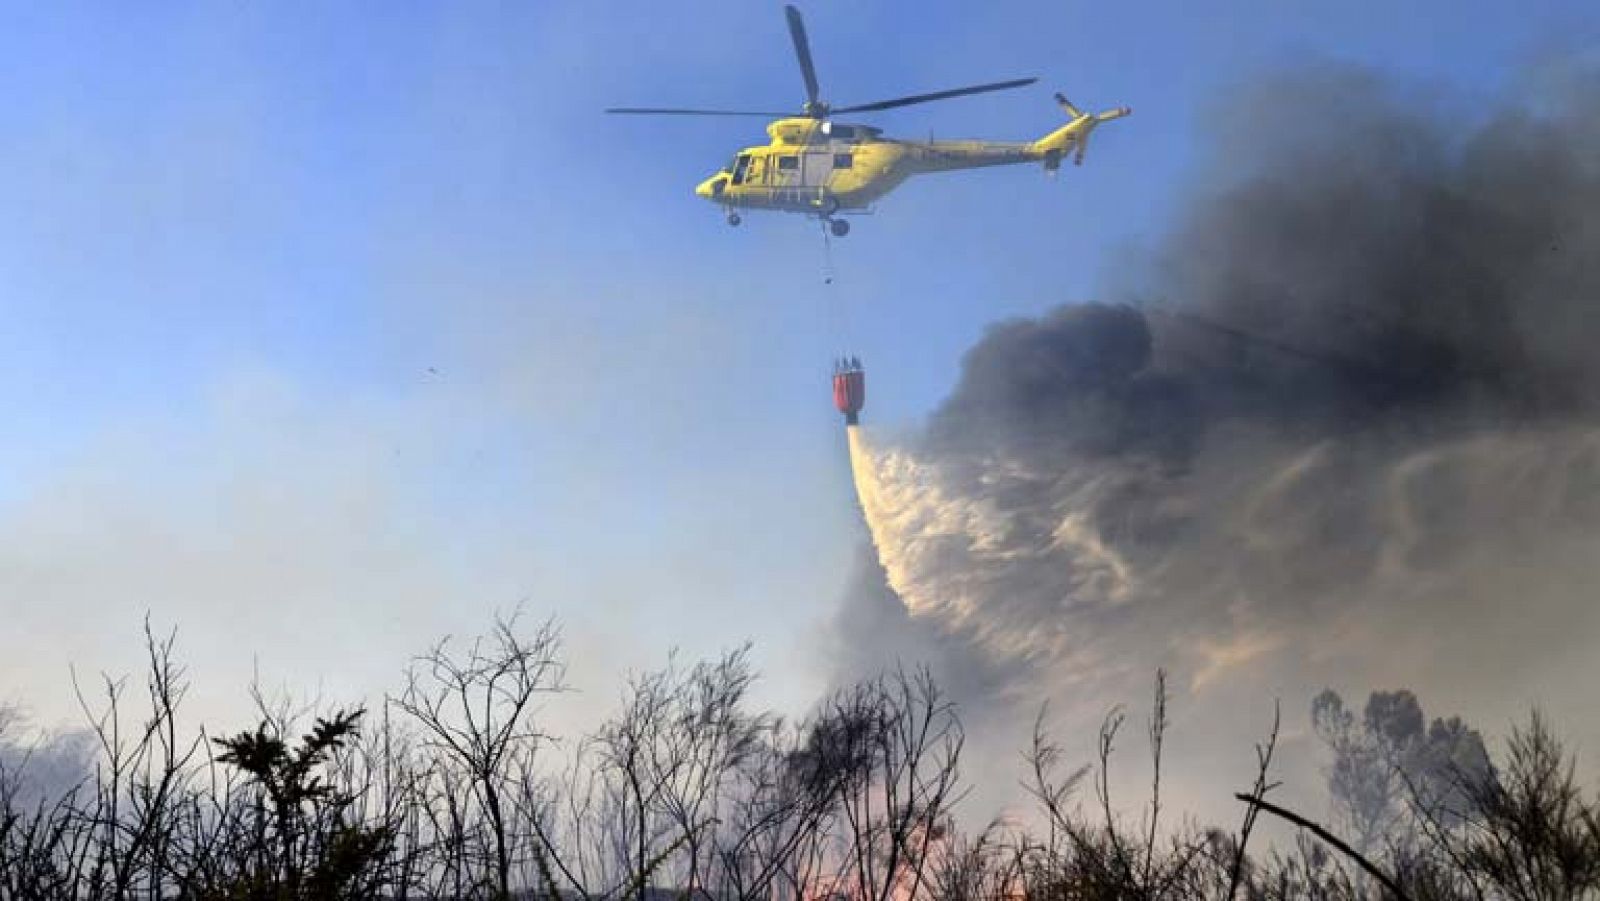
x=451, y=789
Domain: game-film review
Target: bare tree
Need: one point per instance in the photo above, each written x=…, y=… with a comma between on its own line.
x=1098, y=854
x=476, y=709
x=1391, y=760
x=774, y=827
x=450, y=794
x=899, y=743
x=1530, y=832
x=141, y=774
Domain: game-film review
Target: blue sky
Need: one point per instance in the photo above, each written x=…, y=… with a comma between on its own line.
x=316, y=316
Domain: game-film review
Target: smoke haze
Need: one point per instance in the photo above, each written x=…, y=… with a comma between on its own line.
x=1339, y=427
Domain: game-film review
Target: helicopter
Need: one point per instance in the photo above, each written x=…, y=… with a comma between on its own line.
x=825, y=168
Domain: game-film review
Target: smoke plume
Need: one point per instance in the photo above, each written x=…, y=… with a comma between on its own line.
x=40, y=767
x=1339, y=427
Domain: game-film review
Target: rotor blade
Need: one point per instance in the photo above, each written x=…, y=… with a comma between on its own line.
x=654, y=111
x=802, y=50
x=937, y=95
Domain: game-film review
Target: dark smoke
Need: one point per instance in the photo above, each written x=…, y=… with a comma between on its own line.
x=1367, y=265
x=1339, y=427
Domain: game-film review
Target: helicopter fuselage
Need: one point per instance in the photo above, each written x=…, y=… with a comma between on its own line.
x=822, y=168
x=819, y=167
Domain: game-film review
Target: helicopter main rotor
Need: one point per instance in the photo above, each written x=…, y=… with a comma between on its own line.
x=814, y=107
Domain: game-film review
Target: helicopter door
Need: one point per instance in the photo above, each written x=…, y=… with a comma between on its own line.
x=756, y=174
x=741, y=168
x=818, y=167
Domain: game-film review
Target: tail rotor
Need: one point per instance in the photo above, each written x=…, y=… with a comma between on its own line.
x=1074, y=136
x=1067, y=107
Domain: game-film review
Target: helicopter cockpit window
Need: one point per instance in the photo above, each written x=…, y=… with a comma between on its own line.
x=741, y=165
x=843, y=160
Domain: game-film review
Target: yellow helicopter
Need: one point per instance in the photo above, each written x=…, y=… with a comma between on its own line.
x=824, y=168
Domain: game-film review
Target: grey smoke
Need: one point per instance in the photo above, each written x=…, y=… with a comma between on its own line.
x=40, y=768
x=1339, y=426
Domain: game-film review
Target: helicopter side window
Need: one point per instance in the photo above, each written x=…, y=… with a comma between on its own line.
x=788, y=163
x=843, y=160
x=741, y=165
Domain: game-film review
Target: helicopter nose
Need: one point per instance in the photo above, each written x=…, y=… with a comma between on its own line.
x=711, y=187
